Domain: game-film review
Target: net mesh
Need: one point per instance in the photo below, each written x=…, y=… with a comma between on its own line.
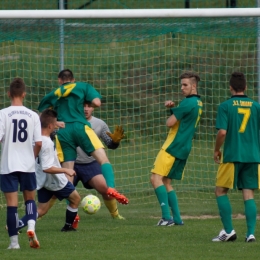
x=135, y=64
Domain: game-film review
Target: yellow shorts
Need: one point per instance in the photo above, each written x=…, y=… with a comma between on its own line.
x=168, y=166
x=238, y=175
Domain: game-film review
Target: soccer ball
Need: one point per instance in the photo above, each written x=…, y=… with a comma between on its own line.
x=90, y=204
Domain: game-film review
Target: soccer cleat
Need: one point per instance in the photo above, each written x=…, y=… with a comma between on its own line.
x=165, y=222
x=68, y=229
x=119, y=197
x=34, y=243
x=13, y=246
x=76, y=222
x=118, y=217
x=225, y=237
x=250, y=238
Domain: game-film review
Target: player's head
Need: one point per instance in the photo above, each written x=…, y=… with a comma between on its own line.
x=189, y=83
x=65, y=76
x=48, y=119
x=237, y=82
x=17, y=88
x=88, y=109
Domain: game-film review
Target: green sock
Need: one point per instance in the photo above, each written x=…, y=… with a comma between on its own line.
x=162, y=197
x=250, y=212
x=108, y=174
x=173, y=202
x=225, y=212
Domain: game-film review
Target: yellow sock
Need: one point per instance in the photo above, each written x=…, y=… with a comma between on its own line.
x=112, y=207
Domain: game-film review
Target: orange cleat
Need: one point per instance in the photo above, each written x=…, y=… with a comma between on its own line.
x=34, y=243
x=76, y=222
x=111, y=192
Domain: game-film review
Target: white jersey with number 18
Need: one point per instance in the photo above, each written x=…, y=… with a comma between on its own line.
x=20, y=128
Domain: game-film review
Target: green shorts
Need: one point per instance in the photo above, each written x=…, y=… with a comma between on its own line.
x=238, y=175
x=168, y=166
x=76, y=135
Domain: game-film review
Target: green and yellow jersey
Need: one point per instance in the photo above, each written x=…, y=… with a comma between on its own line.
x=68, y=101
x=179, y=139
x=240, y=117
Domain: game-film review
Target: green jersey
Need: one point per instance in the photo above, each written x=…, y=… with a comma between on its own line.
x=240, y=117
x=179, y=139
x=68, y=101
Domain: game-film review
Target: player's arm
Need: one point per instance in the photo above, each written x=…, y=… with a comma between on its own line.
x=112, y=140
x=56, y=170
x=48, y=101
x=220, y=138
x=96, y=102
x=37, y=148
x=171, y=121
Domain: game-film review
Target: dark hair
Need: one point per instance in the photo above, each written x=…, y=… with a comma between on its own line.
x=17, y=87
x=191, y=75
x=238, y=81
x=47, y=117
x=66, y=75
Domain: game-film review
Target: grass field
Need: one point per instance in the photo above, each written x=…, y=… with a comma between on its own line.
x=138, y=237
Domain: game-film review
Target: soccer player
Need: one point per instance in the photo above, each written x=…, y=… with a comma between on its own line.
x=68, y=101
x=20, y=129
x=87, y=169
x=171, y=159
x=238, y=124
x=51, y=179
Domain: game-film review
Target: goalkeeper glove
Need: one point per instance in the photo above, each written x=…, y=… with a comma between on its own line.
x=117, y=135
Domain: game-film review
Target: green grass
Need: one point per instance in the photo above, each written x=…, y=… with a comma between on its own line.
x=100, y=237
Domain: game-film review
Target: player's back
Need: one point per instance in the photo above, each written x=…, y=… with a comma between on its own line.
x=241, y=115
x=68, y=101
x=19, y=128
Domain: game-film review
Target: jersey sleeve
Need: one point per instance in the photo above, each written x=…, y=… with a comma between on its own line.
x=222, y=118
x=183, y=109
x=2, y=126
x=47, y=155
x=37, y=135
x=48, y=101
x=91, y=93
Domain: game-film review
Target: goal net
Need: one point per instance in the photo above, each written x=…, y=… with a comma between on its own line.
x=135, y=64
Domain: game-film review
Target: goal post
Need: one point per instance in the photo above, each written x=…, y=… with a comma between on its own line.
x=134, y=59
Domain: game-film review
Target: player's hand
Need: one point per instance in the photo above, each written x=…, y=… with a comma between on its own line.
x=70, y=172
x=60, y=124
x=169, y=103
x=118, y=134
x=217, y=156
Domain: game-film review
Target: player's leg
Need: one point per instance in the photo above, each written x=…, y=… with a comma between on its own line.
x=9, y=186
x=162, y=166
x=73, y=197
x=248, y=182
x=173, y=201
x=98, y=182
x=251, y=214
x=176, y=172
x=91, y=145
x=226, y=177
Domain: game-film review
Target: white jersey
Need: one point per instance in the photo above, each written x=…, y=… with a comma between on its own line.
x=20, y=128
x=48, y=158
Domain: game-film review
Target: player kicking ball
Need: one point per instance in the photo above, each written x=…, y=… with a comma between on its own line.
x=88, y=170
x=51, y=179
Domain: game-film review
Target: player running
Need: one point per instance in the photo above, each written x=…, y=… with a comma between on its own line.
x=51, y=179
x=238, y=124
x=172, y=158
x=68, y=101
x=20, y=128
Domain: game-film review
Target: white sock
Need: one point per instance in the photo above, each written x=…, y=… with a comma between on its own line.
x=31, y=224
x=14, y=240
